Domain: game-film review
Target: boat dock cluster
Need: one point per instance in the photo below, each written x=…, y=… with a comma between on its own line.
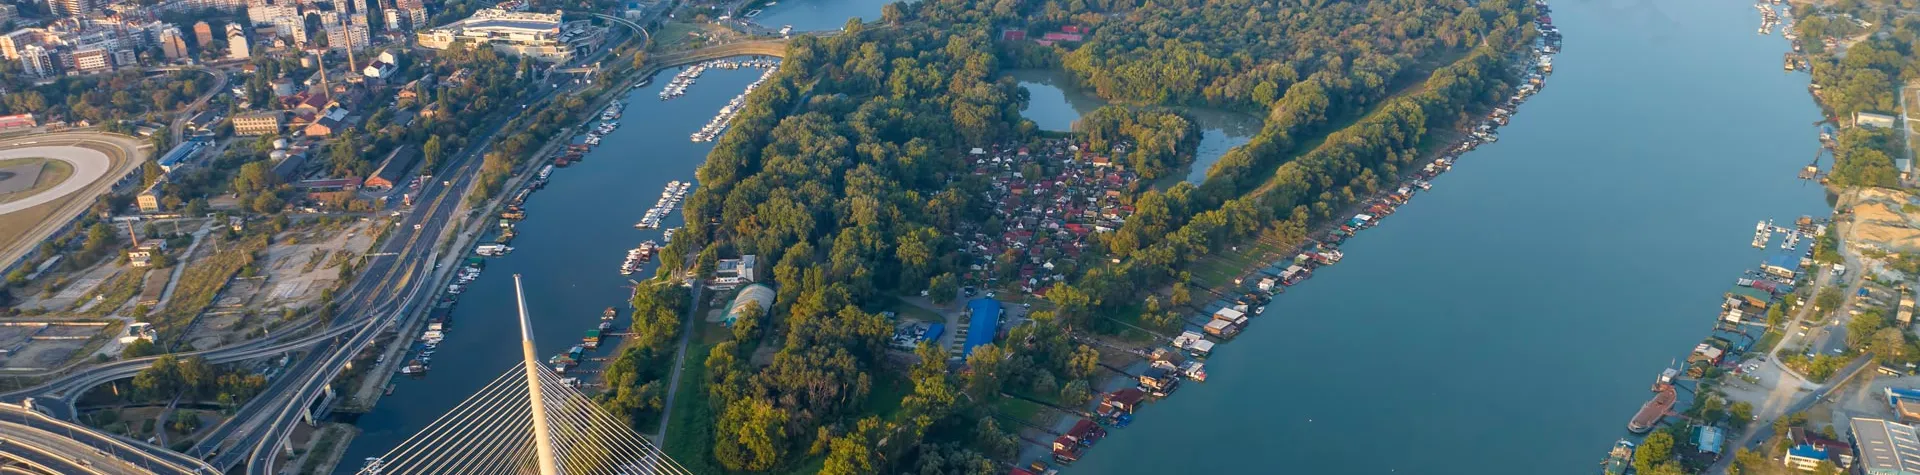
x=718, y=124
x=686, y=77
x=1769, y=18
x=669, y=200
x=1740, y=322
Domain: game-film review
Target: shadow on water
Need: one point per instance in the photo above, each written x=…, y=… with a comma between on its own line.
x=1054, y=103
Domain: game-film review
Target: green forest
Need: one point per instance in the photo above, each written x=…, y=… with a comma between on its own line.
x=845, y=171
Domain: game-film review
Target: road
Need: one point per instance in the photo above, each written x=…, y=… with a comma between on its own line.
x=179, y=126
x=442, y=202
x=388, y=275
x=1821, y=340
x=109, y=454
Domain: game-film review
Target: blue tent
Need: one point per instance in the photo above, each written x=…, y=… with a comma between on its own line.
x=934, y=331
x=984, y=323
x=1784, y=261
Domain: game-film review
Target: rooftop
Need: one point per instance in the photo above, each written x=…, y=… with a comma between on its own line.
x=1886, y=448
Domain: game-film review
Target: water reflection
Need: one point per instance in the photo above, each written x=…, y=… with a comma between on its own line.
x=1054, y=103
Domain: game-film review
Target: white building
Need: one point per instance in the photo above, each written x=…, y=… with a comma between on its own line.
x=339, y=37
x=237, y=47
x=534, y=35
x=38, y=62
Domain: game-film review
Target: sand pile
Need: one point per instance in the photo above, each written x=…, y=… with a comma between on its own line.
x=1887, y=220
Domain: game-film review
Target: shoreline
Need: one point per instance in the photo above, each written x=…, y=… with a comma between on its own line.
x=1450, y=144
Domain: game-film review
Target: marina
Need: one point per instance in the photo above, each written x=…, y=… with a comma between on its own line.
x=573, y=228
x=718, y=124
x=670, y=198
x=688, y=75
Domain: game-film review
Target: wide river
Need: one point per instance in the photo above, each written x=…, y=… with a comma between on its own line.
x=1517, y=312
x=568, y=252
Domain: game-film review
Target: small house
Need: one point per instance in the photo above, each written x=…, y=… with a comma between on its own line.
x=1123, y=401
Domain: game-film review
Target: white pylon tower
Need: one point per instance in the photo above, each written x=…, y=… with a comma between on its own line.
x=542, y=442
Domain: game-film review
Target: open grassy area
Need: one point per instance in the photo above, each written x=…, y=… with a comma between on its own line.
x=690, y=430
x=15, y=225
x=52, y=172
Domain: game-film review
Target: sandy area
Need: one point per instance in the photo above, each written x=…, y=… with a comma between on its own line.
x=1879, y=221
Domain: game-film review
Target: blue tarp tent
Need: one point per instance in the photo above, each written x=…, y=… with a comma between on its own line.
x=934, y=331
x=983, y=323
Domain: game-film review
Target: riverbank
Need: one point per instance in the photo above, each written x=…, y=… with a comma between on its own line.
x=1156, y=373
x=1528, y=300
x=568, y=248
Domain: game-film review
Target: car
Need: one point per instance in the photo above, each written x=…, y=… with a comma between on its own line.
x=416, y=226
x=1838, y=351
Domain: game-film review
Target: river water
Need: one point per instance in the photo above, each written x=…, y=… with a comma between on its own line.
x=568, y=251
x=1511, y=320
x=1507, y=322
x=1053, y=104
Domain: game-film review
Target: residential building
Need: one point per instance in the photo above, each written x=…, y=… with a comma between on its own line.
x=327, y=124
x=259, y=123
x=1870, y=119
x=1883, y=447
x=11, y=42
x=172, y=45
x=733, y=272
x=92, y=60
x=8, y=12
x=149, y=199
x=237, y=47
x=341, y=37
x=534, y=35
x=71, y=7
x=268, y=14
x=38, y=62
x=202, y=35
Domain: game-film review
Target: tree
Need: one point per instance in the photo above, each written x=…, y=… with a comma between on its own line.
x=1829, y=299
x=986, y=371
x=849, y=455
x=746, y=327
x=943, y=288
x=432, y=152
x=1656, y=450
x=750, y=435
x=267, y=203
x=1863, y=326
x=1740, y=413
x=1889, y=345
x=1076, y=393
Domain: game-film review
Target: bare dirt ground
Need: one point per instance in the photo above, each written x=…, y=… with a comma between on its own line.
x=79, y=284
x=302, y=263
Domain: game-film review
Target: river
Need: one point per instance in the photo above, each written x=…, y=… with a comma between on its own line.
x=1511, y=320
x=1507, y=322
x=568, y=249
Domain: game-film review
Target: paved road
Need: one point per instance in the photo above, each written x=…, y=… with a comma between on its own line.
x=109, y=454
x=179, y=126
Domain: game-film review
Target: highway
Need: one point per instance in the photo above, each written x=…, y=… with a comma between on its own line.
x=28, y=431
x=392, y=278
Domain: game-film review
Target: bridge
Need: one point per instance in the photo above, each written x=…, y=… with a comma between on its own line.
x=527, y=420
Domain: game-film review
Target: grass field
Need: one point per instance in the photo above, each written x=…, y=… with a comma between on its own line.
x=16, y=224
x=52, y=172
